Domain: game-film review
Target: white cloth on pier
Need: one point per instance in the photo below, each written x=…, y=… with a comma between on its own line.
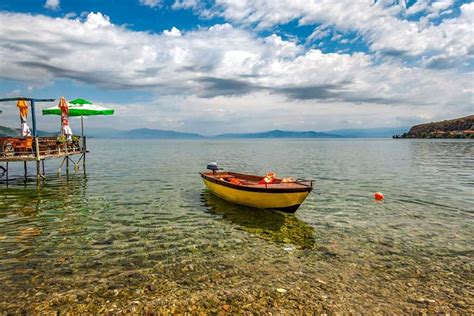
x=67, y=131
x=25, y=130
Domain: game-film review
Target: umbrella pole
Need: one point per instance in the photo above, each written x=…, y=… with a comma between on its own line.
x=82, y=126
x=83, y=143
x=35, y=135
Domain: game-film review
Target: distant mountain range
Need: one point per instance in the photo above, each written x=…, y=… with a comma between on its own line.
x=280, y=134
x=147, y=133
x=7, y=131
x=13, y=132
x=458, y=128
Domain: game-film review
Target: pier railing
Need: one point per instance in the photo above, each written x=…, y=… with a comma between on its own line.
x=23, y=148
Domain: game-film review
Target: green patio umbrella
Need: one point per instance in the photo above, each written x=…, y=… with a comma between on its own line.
x=80, y=107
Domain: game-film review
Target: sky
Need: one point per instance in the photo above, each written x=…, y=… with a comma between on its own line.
x=241, y=65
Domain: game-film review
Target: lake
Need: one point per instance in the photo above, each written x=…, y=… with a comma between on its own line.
x=139, y=232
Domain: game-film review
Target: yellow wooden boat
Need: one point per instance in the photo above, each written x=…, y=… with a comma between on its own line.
x=245, y=189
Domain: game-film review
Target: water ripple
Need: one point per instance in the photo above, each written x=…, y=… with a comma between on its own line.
x=145, y=229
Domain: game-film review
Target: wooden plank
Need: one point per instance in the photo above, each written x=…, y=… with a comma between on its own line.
x=42, y=157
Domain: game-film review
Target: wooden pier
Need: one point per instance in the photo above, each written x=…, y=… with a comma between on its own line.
x=39, y=149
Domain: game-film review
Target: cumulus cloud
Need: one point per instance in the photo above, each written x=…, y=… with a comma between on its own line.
x=185, y=4
x=222, y=67
x=417, y=7
x=438, y=7
x=207, y=61
x=380, y=23
x=150, y=3
x=52, y=4
x=173, y=32
x=97, y=20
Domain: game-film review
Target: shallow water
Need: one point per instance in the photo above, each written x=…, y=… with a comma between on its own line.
x=138, y=231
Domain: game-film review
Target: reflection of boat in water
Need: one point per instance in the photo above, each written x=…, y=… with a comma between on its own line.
x=256, y=191
x=275, y=226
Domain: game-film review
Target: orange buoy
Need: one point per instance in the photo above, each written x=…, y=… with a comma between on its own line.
x=378, y=196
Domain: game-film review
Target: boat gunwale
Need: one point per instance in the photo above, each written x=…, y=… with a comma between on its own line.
x=269, y=189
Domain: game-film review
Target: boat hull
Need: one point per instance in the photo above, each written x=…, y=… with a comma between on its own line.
x=281, y=201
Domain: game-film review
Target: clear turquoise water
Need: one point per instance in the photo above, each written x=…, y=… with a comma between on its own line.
x=138, y=231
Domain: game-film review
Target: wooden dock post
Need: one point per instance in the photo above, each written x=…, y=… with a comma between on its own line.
x=84, y=151
x=35, y=135
x=38, y=170
x=25, y=169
